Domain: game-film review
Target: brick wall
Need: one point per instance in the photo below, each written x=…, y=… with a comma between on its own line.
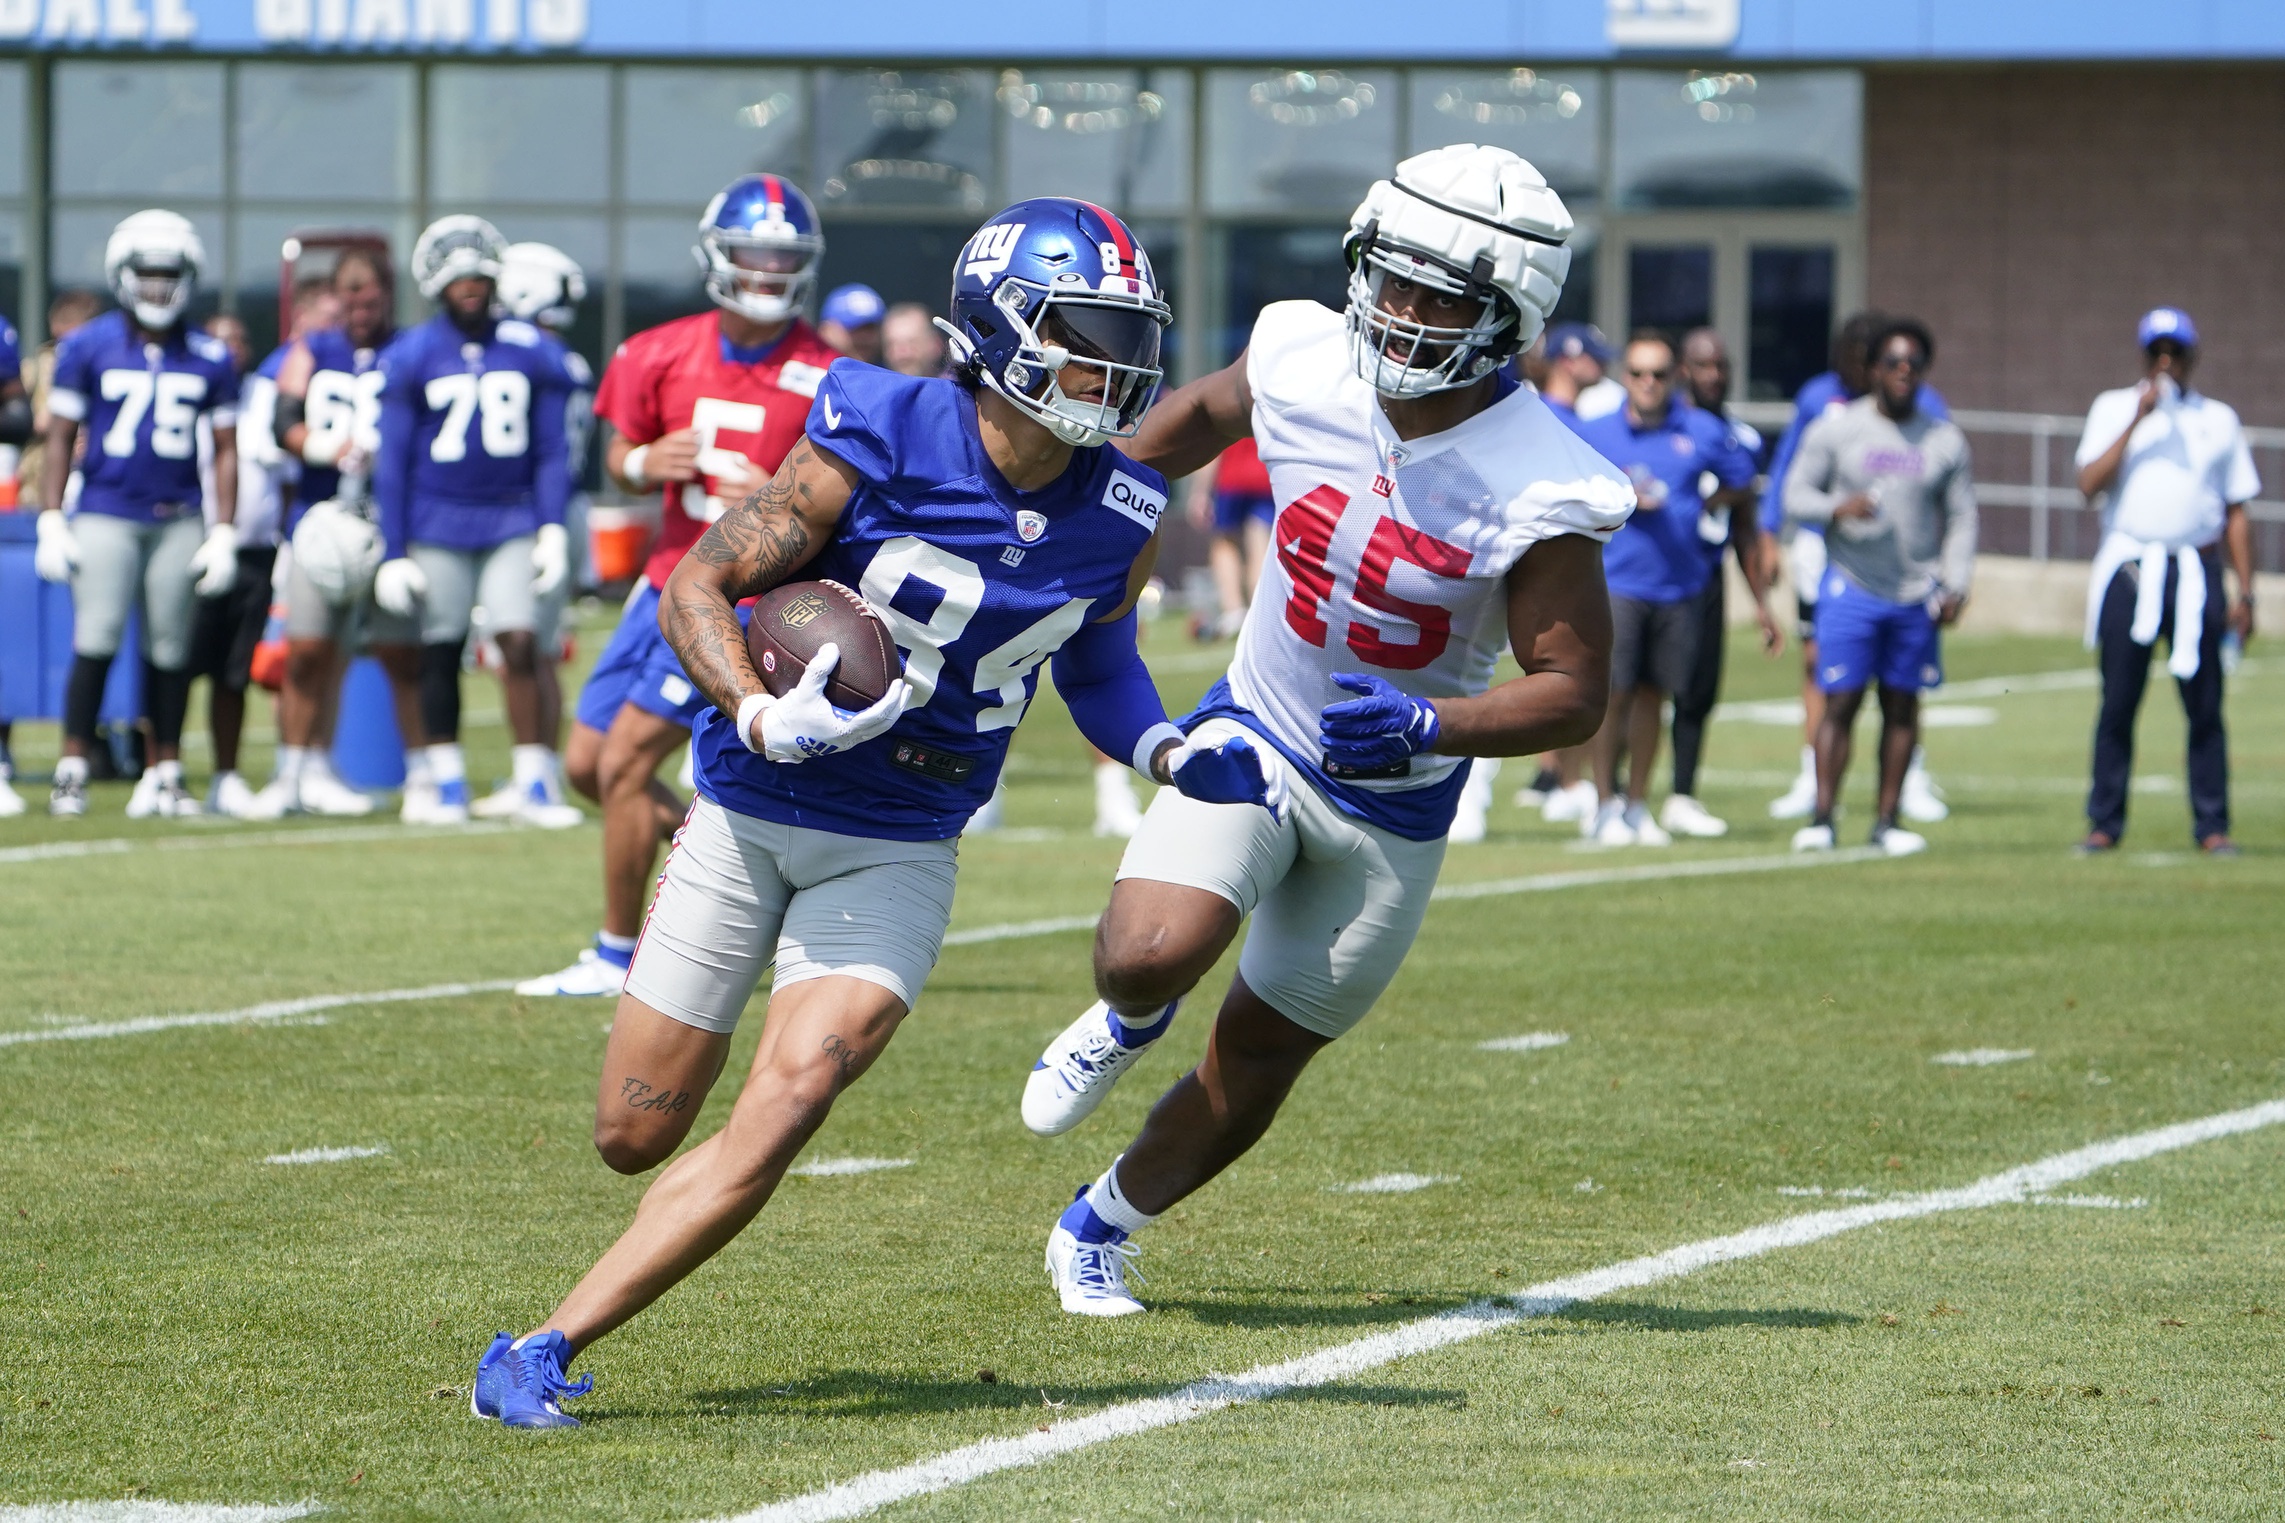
x=2030, y=214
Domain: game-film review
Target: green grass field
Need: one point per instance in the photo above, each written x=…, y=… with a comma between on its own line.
x=180, y=1320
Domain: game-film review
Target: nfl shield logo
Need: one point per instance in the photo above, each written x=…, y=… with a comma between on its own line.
x=1029, y=525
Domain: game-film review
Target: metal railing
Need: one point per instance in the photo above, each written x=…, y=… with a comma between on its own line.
x=2029, y=493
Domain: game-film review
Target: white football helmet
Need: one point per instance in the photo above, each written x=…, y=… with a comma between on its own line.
x=152, y=265
x=455, y=248
x=541, y=284
x=338, y=551
x=1467, y=221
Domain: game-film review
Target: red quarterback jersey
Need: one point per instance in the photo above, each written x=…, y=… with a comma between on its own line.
x=682, y=375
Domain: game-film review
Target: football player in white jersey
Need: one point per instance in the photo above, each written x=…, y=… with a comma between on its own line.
x=1429, y=510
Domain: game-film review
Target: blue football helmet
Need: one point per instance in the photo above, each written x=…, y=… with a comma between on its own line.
x=759, y=244
x=1049, y=289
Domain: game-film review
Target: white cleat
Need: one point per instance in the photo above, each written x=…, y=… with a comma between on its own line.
x=143, y=803
x=1570, y=806
x=1091, y=1278
x=593, y=976
x=274, y=802
x=323, y=793
x=435, y=803
x=1685, y=816
x=1799, y=801
x=1468, y=825
x=1117, y=815
x=1609, y=826
x=1646, y=830
x=155, y=798
x=1813, y=838
x=1078, y=1069
x=420, y=803
x=1922, y=802
x=67, y=800
x=11, y=802
x=502, y=803
x=1896, y=841
x=231, y=798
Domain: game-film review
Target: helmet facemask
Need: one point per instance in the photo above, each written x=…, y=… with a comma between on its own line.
x=1402, y=357
x=765, y=277
x=1081, y=339
x=156, y=288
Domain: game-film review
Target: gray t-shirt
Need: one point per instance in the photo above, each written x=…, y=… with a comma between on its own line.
x=1921, y=538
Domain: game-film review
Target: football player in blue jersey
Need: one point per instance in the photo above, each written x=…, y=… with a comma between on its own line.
x=987, y=519
x=138, y=380
x=543, y=286
x=469, y=477
x=15, y=430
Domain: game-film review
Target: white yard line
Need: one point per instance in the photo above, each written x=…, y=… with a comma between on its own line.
x=225, y=837
x=1394, y=1184
x=833, y=1168
x=138, y=1510
x=326, y=1155
x=276, y=1010
x=871, y=1492
x=1530, y=1041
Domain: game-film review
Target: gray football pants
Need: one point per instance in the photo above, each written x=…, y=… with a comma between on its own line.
x=123, y=562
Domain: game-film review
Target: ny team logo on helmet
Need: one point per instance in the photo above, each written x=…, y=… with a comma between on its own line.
x=1051, y=288
x=541, y=284
x=759, y=244
x=152, y=264
x=1477, y=223
x=456, y=248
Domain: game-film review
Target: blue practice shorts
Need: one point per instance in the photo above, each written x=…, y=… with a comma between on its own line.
x=640, y=668
x=1862, y=639
x=1232, y=509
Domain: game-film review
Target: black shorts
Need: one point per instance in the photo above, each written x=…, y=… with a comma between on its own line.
x=226, y=629
x=1653, y=644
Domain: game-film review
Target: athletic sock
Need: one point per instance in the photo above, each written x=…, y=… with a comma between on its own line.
x=166, y=698
x=532, y=765
x=170, y=772
x=1809, y=761
x=417, y=771
x=71, y=769
x=291, y=760
x=1132, y=1035
x=83, y=697
x=618, y=950
x=1101, y=1214
x=446, y=764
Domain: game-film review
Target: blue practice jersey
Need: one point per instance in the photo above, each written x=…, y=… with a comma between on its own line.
x=979, y=583
x=344, y=408
x=471, y=441
x=11, y=353
x=138, y=403
x=1658, y=556
x=578, y=409
x=1819, y=395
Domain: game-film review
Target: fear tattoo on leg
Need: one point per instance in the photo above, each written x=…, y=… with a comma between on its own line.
x=643, y=1097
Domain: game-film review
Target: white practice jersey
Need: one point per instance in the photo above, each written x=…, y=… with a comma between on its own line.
x=1392, y=554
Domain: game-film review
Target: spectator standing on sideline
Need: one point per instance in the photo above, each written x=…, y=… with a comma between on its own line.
x=850, y=320
x=1892, y=489
x=910, y=342
x=226, y=628
x=2174, y=473
x=1849, y=379
x=1728, y=519
x=68, y=311
x=1577, y=358
x=1657, y=566
x=15, y=429
x=1230, y=500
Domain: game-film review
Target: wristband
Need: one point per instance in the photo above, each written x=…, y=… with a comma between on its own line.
x=748, y=707
x=1146, y=749
x=631, y=468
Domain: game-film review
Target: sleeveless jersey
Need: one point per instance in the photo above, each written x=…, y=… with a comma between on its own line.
x=344, y=407
x=138, y=403
x=980, y=584
x=1392, y=555
x=684, y=374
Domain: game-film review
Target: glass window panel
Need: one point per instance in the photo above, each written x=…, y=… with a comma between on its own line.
x=1577, y=303
x=525, y=133
x=340, y=132
x=1278, y=262
x=1120, y=137
x=137, y=129
x=1670, y=287
x=905, y=138
x=660, y=275
x=260, y=249
x=12, y=266
x=1789, y=318
x=80, y=232
x=904, y=261
x=1705, y=138
x=1551, y=118
x=11, y=129
x=1298, y=140
x=692, y=131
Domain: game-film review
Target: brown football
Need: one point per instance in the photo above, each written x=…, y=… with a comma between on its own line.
x=791, y=621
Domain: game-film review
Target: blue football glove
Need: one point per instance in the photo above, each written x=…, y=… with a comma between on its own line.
x=1230, y=771
x=1377, y=732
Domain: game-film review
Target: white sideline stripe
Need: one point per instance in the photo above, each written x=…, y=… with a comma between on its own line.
x=326, y=1155
x=828, y=1168
x=139, y=1511
x=1017, y=930
x=276, y=1010
x=1530, y=1041
x=325, y=836
x=871, y=1492
x=1983, y=1057
x=1395, y=1184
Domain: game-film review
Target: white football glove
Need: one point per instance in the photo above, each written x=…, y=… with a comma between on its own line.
x=551, y=559
x=215, y=561
x=56, y=556
x=805, y=723
x=399, y=586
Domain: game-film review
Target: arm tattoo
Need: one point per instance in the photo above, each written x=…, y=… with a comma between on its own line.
x=754, y=546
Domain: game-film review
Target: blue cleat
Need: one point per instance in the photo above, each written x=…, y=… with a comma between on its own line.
x=520, y=1382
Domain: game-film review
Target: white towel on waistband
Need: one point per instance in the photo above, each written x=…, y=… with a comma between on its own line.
x=2149, y=558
